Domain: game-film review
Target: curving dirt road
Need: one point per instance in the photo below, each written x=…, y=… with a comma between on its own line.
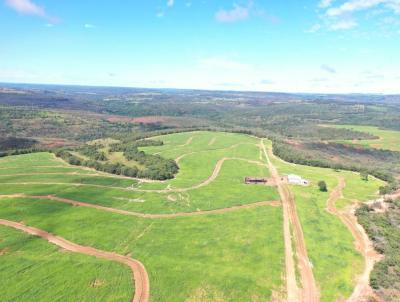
x=309, y=291
x=143, y=215
x=362, y=243
x=140, y=276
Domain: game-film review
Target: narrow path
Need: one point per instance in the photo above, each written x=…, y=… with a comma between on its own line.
x=212, y=141
x=310, y=292
x=188, y=142
x=362, y=243
x=144, y=215
x=140, y=277
x=206, y=182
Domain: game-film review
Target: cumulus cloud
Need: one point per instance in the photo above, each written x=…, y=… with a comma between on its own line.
x=237, y=13
x=328, y=69
x=351, y=6
x=344, y=15
x=26, y=7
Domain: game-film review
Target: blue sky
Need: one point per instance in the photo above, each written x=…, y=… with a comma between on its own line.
x=294, y=46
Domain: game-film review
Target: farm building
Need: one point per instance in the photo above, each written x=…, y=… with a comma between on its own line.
x=297, y=180
x=257, y=181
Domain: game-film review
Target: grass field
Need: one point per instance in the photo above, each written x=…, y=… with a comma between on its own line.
x=329, y=243
x=388, y=139
x=28, y=265
x=214, y=257
x=231, y=256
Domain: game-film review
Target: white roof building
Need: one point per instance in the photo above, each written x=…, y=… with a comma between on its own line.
x=297, y=180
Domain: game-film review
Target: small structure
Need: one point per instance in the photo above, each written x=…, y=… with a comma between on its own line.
x=259, y=181
x=255, y=180
x=297, y=180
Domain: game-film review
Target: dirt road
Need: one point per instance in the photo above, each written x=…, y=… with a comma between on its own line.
x=143, y=215
x=140, y=277
x=362, y=243
x=309, y=291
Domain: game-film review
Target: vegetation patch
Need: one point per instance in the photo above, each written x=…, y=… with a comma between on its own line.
x=134, y=163
x=384, y=230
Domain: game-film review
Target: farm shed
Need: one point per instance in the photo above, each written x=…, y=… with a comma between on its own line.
x=256, y=180
x=297, y=180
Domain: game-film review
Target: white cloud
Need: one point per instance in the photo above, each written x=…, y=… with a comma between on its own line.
x=345, y=15
x=343, y=24
x=357, y=5
x=314, y=28
x=325, y=3
x=170, y=3
x=237, y=13
x=328, y=69
x=26, y=7
x=89, y=26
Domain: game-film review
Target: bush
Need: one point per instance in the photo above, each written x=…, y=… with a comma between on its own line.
x=322, y=186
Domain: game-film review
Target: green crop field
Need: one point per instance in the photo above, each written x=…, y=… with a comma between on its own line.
x=214, y=257
x=228, y=255
x=33, y=270
x=388, y=139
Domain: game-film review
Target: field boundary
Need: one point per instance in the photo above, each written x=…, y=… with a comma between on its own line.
x=144, y=215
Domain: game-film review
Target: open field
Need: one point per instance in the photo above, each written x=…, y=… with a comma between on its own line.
x=388, y=139
x=202, y=236
x=27, y=263
x=229, y=253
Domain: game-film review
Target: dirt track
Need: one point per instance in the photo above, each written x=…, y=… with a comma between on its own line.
x=143, y=215
x=309, y=292
x=140, y=277
x=362, y=289
x=212, y=141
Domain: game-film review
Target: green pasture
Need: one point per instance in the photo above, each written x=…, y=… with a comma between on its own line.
x=231, y=256
x=31, y=269
x=226, y=190
x=235, y=256
x=388, y=139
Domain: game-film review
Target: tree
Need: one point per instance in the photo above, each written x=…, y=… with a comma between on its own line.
x=364, y=175
x=322, y=186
